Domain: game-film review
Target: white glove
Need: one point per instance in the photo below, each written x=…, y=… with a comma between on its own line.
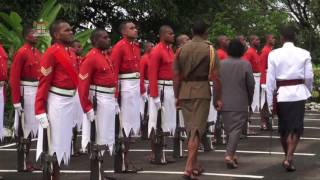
x=90, y=115
x=117, y=107
x=263, y=86
x=157, y=102
x=18, y=108
x=144, y=97
x=43, y=120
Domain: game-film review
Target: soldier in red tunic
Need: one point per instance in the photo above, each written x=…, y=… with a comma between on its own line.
x=97, y=83
x=144, y=88
x=252, y=56
x=79, y=114
x=126, y=56
x=144, y=69
x=222, y=45
x=181, y=40
x=270, y=42
x=3, y=78
x=24, y=80
x=55, y=95
x=161, y=86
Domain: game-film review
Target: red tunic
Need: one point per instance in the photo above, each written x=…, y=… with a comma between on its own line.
x=126, y=57
x=97, y=69
x=144, y=71
x=160, y=66
x=264, y=63
x=25, y=66
x=222, y=54
x=53, y=74
x=252, y=56
x=3, y=64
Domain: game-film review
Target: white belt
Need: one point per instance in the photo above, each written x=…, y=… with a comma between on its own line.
x=29, y=83
x=63, y=92
x=165, y=82
x=135, y=75
x=109, y=90
x=146, y=81
x=2, y=83
x=256, y=74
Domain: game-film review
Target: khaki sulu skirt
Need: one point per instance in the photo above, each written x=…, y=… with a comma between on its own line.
x=195, y=113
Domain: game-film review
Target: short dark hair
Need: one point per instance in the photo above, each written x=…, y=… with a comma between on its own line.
x=95, y=34
x=288, y=32
x=199, y=27
x=123, y=25
x=26, y=30
x=55, y=26
x=252, y=37
x=163, y=29
x=235, y=48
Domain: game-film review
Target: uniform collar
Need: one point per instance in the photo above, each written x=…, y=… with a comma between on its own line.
x=268, y=46
x=288, y=44
x=59, y=45
x=197, y=38
x=98, y=50
x=164, y=45
x=253, y=48
x=129, y=42
x=27, y=45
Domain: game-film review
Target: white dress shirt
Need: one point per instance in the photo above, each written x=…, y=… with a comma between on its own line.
x=286, y=63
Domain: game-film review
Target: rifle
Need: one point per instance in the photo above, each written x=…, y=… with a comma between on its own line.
x=95, y=155
x=118, y=164
x=21, y=141
x=144, y=122
x=46, y=158
x=160, y=156
x=219, y=132
x=271, y=115
x=207, y=141
x=178, y=139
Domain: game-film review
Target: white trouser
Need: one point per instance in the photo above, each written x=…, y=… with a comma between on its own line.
x=60, y=115
x=168, y=111
x=256, y=95
x=79, y=115
x=31, y=125
x=1, y=112
x=104, y=120
x=130, y=106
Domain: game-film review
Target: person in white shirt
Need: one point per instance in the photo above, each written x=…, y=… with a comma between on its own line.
x=289, y=78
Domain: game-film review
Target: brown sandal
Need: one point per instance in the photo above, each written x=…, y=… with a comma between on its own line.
x=197, y=171
x=188, y=175
x=231, y=164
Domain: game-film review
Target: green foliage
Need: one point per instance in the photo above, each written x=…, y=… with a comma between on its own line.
x=247, y=17
x=316, y=84
x=11, y=31
x=84, y=38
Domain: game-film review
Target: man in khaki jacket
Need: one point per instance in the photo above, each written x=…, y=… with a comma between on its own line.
x=194, y=65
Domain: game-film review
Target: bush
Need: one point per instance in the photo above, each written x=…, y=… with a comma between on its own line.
x=316, y=84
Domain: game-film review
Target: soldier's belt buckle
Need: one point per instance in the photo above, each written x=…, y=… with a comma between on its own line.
x=137, y=75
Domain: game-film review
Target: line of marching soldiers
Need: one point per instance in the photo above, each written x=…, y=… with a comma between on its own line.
x=110, y=93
